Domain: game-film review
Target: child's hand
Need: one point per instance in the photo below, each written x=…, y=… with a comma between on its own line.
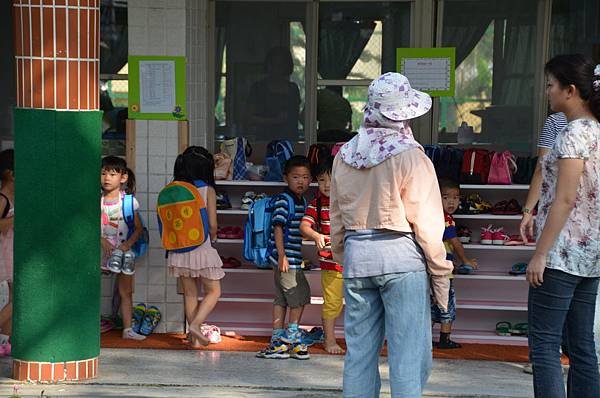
x=124, y=246
x=107, y=247
x=320, y=241
x=284, y=264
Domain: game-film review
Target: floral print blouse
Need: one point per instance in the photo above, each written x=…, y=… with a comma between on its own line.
x=577, y=248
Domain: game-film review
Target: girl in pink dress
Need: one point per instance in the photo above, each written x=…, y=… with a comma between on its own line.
x=203, y=264
x=7, y=198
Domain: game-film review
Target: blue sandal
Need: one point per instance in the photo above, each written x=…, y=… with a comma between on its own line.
x=518, y=269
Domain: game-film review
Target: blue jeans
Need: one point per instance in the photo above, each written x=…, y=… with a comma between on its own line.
x=563, y=300
x=395, y=306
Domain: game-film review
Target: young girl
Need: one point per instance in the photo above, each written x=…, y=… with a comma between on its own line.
x=7, y=198
x=117, y=256
x=203, y=263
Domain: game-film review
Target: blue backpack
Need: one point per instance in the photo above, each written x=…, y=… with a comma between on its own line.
x=258, y=227
x=278, y=152
x=141, y=245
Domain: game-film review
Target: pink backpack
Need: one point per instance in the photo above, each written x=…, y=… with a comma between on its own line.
x=502, y=168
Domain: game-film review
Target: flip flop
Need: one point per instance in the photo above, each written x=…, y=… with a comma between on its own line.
x=503, y=328
x=465, y=269
x=137, y=317
x=518, y=269
x=520, y=329
x=150, y=321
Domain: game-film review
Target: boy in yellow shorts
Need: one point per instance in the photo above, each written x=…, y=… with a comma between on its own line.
x=315, y=225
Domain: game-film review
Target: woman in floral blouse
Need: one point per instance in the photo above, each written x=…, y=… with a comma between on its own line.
x=565, y=269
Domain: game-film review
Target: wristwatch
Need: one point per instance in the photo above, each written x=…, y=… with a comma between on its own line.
x=526, y=210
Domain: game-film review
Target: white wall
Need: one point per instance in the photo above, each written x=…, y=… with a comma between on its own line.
x=164, y=27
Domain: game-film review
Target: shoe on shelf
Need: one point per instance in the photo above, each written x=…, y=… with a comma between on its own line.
x=464, y=234
x=129, y=334
x=499, y=237
x=231, y=262
x=513, y=208
x=514, y=240
x=465, y=269
x=500, y=208
x=223, y=202
x=247, y=200
x=474, y=204
x=518, y=269
x=487, y=234
x=276, y=350
x=299, y=351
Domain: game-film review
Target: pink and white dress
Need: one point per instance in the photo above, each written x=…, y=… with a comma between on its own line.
x=6, y=248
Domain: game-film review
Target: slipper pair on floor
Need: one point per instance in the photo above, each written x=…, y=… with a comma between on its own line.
x=505, y=328
x=144, y=320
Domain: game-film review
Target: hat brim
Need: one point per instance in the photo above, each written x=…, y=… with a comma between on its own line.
x=420, y=105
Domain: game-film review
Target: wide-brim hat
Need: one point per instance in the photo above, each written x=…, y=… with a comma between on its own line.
x=392, y=95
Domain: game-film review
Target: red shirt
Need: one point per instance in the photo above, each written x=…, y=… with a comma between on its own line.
x=321, y=223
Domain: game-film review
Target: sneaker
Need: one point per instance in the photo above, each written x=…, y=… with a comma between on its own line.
x=137, y=316
x=299, y=351
x=448, y=345
x=487, y=234
x=223, y=202
x=292, y=336
x=276, y=350
x=128, y=267
x=150, y=321
x=464, y=234
x=499, y=237
x=115, y=262
x=247, y=200
x=129, y=334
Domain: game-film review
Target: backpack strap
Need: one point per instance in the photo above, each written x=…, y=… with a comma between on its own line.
x=129, y=213
x=7, y=207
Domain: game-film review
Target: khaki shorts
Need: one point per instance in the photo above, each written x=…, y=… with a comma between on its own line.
x=291, y=288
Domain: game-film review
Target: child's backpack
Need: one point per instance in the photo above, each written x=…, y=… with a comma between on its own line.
x=141, y=245
x=258, y=227
x=182, y=216
x=475, y=166
x=316, y=154
x=502, y=168
x=278, y=152
x=238, y=149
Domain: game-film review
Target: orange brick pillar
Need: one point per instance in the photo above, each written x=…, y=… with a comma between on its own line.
x=56, y=293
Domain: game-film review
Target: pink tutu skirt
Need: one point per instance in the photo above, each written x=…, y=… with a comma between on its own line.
x=203, y=261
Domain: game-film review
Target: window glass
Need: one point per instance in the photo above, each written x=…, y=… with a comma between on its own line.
x=261, y=60
x=495, y=46
x=575, y=29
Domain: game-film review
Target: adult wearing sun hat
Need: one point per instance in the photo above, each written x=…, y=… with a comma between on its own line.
x=387, y=224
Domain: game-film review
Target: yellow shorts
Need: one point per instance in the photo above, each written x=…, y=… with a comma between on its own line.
x=333, y=293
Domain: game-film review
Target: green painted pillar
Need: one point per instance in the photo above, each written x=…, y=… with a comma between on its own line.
x=56, y=290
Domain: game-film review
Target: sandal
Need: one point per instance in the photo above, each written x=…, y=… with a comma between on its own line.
x=223, y=233
x=150, y=321
x=518, y=269
x=235, y=233
x=137, y=317
x=513, y=208
x=500, y=208
x=503, y=328
x=520, y=329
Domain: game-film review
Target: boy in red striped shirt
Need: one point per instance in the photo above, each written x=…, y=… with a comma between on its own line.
x=315, y=226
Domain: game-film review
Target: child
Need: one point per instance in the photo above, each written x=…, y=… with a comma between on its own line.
x=291, y=288
x=317, y=217
x=116, y=241
x=7, y=199
x=450, y=191
x=202, y=264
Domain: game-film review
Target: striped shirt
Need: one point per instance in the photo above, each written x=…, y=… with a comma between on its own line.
x=552, y=126
x=293, y=245
x=322, y=224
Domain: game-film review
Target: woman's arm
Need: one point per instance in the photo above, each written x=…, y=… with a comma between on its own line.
x=569, y=177
x=211, y=207
x=533, y=196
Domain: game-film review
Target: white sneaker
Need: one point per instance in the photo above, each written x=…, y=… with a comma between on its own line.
x=129, y=334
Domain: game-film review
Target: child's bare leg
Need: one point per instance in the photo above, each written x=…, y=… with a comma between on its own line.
x=125, y=283
x=278, y=316
x=190, y=300
x=212, y=292
x=330, y=345
x=296, y=314
x=6, y=314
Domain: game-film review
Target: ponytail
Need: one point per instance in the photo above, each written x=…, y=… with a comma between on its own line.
x=130, y=183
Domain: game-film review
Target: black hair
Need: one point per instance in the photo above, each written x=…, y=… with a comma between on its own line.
x=130, y=183
x=195, y=163
x=296, y=161
x=115, y=163
x=323, y=167
x=7, y=161
x=283, y=55
x=577, y=70
x=448, y=183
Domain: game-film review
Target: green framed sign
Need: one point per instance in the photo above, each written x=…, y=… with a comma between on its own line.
x=157, y=88
x=428, y=69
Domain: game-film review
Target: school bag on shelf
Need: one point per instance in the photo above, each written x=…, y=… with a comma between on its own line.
x=257, y=230
x=223, y=166
x=141, y=244
x=238, y=150
x=446, y=160
x=502, y=168
x=525, y=169
x=475, y=166
x=182, y=216
x=278, y=152
x=316, y=154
